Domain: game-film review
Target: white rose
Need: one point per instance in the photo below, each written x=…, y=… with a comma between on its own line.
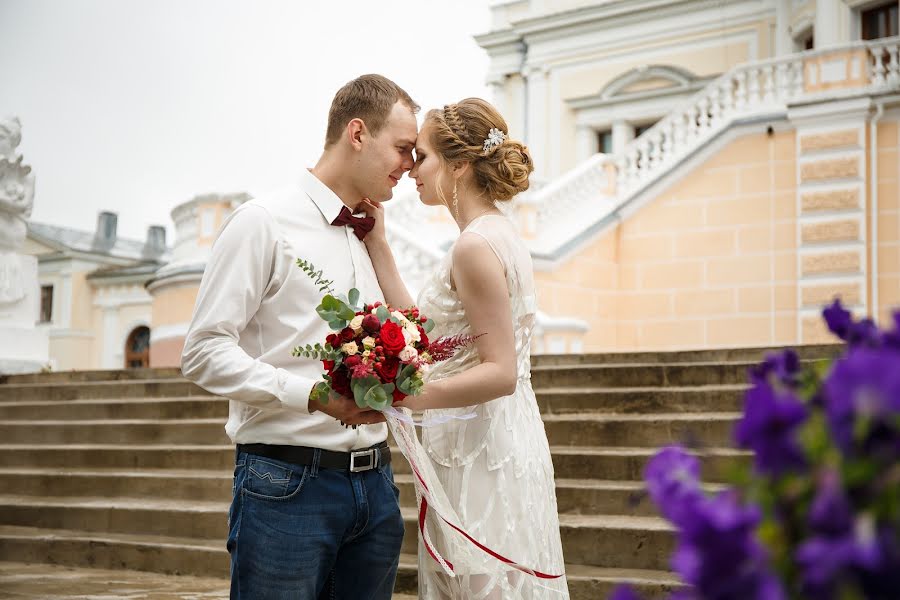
x=408, y=354
x=400, y=317
x=366, y=353
x=368, y=342
x=356, y=323
x=350, y=348
x=411, y=333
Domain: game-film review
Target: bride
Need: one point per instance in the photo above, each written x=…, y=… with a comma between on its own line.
x=492, y=473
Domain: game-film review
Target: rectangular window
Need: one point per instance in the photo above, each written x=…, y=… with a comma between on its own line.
x=604, y=141
x=46, y=303
x=879, y=22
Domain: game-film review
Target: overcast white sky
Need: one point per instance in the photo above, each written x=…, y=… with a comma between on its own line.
x=136, y=107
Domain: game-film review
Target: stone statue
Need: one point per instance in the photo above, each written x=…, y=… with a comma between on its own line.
x=22, y=347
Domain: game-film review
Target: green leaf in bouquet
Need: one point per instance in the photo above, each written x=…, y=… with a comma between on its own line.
x=383, y=314
x=361, y=387
x=337, y=324
x=321, y=391
x=428, y=325
x=346, y=313
x=378, y=397
x=408, y=382
x=353, y=296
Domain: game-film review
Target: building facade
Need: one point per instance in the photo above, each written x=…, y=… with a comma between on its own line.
x=709, y=173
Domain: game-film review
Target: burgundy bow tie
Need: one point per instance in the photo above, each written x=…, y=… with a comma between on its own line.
x=361, y=225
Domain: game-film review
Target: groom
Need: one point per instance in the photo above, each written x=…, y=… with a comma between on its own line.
x=314, y=513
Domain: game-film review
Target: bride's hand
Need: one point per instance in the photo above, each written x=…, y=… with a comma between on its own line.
x=375, y=210
x=417, y=402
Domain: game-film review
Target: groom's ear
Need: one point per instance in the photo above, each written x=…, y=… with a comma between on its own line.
x=356, y=130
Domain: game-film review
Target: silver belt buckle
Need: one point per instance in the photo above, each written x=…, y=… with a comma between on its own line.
x=371, y=454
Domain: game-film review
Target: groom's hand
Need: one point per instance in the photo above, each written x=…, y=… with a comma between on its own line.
x=345, y=410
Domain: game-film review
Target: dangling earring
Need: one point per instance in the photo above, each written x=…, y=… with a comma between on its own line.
x=455, y=201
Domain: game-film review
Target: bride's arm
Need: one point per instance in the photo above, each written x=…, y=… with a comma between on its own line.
x=395, y=292
x=481, y=286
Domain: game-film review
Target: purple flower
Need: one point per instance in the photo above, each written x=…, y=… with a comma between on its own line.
x=673, y=482
x=624, y=592
x=830, y=512
x=861, y=333
x=769, y=427
x=778, y=370
x=718, y=552
x=862, y=402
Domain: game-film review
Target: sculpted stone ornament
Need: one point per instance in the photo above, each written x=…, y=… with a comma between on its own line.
x=23, y=348
x=16, y=201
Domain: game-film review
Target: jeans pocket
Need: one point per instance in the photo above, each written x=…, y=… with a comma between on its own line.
x=273, y=480
x=388, y=474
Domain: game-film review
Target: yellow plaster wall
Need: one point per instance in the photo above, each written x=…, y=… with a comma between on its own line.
x=174, y=305
x=710, y=262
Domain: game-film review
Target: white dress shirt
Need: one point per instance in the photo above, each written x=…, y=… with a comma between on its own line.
x=255, y=305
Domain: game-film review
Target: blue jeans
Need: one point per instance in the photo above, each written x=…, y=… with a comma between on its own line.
x=307, y=533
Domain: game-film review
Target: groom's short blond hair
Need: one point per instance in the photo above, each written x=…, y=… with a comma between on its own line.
x=368, y=97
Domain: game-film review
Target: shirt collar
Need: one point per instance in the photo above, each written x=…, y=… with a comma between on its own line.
x=326, y=200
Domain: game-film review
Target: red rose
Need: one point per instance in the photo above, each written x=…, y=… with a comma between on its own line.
x=392, y=338
x=352, y=361
x=423, y=336
x=388, y=369
x=332, y=340
x=398, y=396
x=340, y=383
x=371, y=324
x=347, y=334
x=328, y=364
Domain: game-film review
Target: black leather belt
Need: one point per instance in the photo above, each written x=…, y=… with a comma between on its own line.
x=354, y=461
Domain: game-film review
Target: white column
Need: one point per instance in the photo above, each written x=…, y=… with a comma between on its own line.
x=516, y=105
x=498, y=94
x=585, y=142
x=110, y=338
x=536, y=119
x=622, y=134
x=832, y=25
x=784, y=44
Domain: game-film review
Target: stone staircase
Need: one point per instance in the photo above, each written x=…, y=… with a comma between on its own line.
x=132, y=469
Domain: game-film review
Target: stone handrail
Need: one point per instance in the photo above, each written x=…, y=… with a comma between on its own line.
x=746, y=91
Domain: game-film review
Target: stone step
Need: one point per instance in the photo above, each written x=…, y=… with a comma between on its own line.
x=130, y=456
x=106, y=550
x=550, y=400
x=708, y=429
x=613, y=541
x=573, y=496
x=720, y=398
x=639, y=375
x=160, y=554
x=150, y=388
x=569, y=462
x=197, y=484
x=639, y=430
x=60, y=582
x=812, y=351
x=98, y=375
x=200, y=407
x=121, y=431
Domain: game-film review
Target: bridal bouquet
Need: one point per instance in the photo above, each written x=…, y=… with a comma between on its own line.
x=818, y=515
x=376, y=354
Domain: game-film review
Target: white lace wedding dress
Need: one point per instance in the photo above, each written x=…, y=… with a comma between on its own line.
x=491, y=474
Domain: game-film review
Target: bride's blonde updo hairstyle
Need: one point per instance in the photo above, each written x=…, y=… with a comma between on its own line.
x=458, y=133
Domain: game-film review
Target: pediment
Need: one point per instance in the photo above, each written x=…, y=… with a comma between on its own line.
x=649, y=78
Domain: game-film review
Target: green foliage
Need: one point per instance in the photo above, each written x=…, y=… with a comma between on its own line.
x=335, y=312
x=323, y=284
x=316, y=351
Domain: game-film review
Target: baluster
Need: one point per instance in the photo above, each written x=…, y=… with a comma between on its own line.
x=782, y=85
x=669, y=140
x=879, y=70
x=715, y=109
x=703, y=114
x=740, y=101
x=893, y=68
x=633, y=167
x=692, y=123
x=727, y=94
x=656, y=152
x=753, y=88
x=769, y=84
x=799, y=78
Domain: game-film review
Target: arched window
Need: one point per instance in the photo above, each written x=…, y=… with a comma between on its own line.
x=137, y=348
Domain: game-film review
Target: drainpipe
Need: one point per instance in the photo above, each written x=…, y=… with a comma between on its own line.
x=873, y=152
